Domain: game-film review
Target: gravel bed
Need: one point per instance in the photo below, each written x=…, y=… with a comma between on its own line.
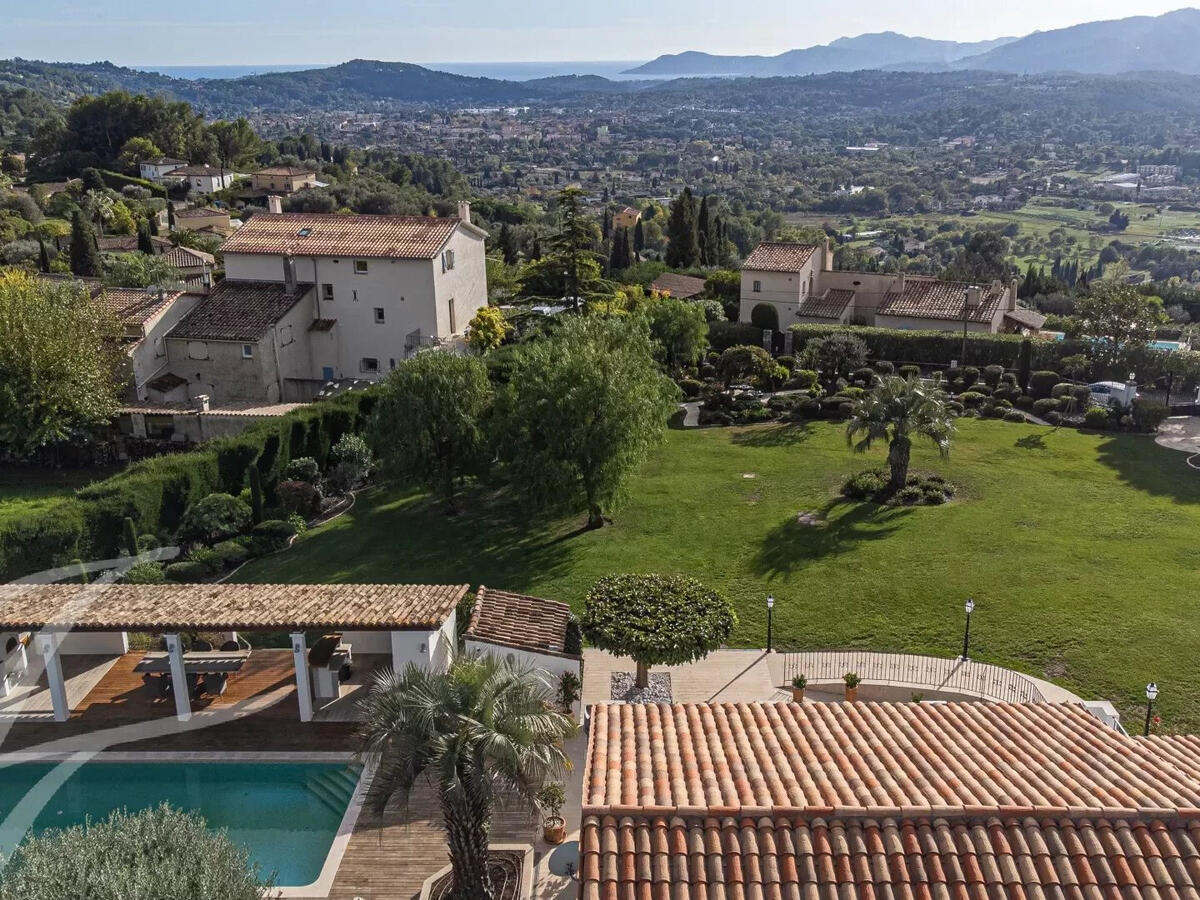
x=658, y=691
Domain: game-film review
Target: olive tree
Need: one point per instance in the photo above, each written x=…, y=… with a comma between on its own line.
x=580, y=411
x=427, y=423
x=663, y=620
x=154, y=854
x=835, y=356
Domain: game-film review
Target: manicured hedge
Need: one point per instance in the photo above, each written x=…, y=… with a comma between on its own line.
x=156, y=492
x=116, y=181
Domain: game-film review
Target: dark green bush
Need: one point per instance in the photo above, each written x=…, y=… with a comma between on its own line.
x=206, y=557
x=808, y=408
x=883, y=367
x=765, y=316
x=911, y=495
x=230, y=554
x=691, y=388
x=299, y=497
x=864, y=377
x=992, y=375
x=1148, y=415
x=1014, y=415
x=788, y=362
x=304, y=469
x=216, y=517
x=995, y=411
x=802, y=379
x=144, y=573
x=573, y=638
x=865, y=485
x=272, y=535
x=970, y=375
x=1024, y=402
x=1009, y=379
x=1009, y=394
x=1053, y=417
x=910, y=371
x=1096, y=418
x=971, y=399
x=1062, y=389
x=955, y=406
x=1045, y=406
x=1042, y=383
x=187, y=571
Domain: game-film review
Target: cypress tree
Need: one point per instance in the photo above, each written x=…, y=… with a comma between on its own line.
x=639, y=237
x=85, y=257
x=171, y=214
x=153, y=220
x=621, y=257
x=145, y=245
x=131, y=539
x=256, y=494
x=683, y=251
x=43, y=256
x=508, y=245
x=703, y=234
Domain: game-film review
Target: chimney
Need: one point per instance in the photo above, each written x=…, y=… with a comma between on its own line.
x=289, y=274
x=464, y=211
x=827, y=256
x=974, y=297
x=1012, y=296
x=200, y=403
x=274, y=205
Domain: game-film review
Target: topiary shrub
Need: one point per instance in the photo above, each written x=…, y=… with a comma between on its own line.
x=186, y=571
x=1009, y=394
x=230, y=554
x=573, y=638
x=808, y=408
x=992, y=375
x=272, y=535
x=955, y=407
x=1042, y=383
x=971, y=399
x=1053, y=418
x=883, y=367
x=765, y=316
x=1014, y=415
x=145, y=573
x=910, y=371
x=1045, y=406
x=1009, y=380
x=970, y=375
x=206, y=557
x=301, y=497
x=864, y=377
x=995, y=411
x=788, y=362
x=1096, y=418
x=1062, y=389
x=352, y=450
x=691, y=388
x=801, y=380
x=866, y=485
x=1024, y=402
x=305, y=469
x=1148, y=415
x=215, y=518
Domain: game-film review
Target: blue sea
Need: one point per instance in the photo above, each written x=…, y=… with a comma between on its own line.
x=508, y=71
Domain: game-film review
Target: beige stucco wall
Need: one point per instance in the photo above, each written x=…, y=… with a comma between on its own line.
x=225, y=375
x=149, y=355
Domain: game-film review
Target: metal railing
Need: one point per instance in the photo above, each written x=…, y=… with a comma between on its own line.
x=928, y=672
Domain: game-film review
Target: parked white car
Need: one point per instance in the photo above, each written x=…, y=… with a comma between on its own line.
x=1110, y=393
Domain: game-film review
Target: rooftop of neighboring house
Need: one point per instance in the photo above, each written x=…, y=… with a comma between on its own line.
x=186, y=257
x=829, y=305
x=136, y=306
x=199, y=212
x=286, y=171
x=776, y=256
x=330, y=234
x=978, y=801
x=238, y=311
x=190, y=171
x=519, y=621
x=679, y=286
x=929, y=298
x=1026, y=318
x=164, y=161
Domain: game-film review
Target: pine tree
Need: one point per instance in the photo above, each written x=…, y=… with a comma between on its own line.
x=145, y=245
x=85, y=257
x=683, y=251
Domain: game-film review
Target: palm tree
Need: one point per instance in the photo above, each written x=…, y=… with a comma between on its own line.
x=482, y=730
x=897, y=410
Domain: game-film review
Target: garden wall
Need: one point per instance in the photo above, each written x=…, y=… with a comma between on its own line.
x=155, y=492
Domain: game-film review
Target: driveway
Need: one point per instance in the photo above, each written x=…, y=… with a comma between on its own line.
x=1180, y=433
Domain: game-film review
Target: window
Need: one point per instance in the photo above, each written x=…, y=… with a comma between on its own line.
x=327, y=291
x=447, y=260
x=247, y=351
x=368, y=364
x=360, y=267
x=379, y=315
x=758, y=287
x=197, y=350
x=392, y=363
x=453, y=324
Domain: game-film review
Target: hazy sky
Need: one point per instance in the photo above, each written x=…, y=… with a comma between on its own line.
x=132, y=32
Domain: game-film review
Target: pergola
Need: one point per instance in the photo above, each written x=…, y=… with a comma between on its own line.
x=418, y=620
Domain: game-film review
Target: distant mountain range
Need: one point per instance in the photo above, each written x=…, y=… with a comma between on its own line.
x=1140, y=43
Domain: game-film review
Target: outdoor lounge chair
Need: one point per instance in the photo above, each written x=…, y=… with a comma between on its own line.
x=215, y=683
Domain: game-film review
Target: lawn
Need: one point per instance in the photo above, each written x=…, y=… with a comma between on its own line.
x=27, y=490
x=1079, y=549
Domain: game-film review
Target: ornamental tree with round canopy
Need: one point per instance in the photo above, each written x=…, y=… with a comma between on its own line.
x=656, y=619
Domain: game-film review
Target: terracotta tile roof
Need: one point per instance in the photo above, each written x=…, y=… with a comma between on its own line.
x=866, y=801
x=185, y=171
x=679, y=286
x=199, y=212
x=330, y=234
x=779, y=257
x=117, y=243
x=912, y=758
x=238, y=311
x=187, y=258
x=928, y=298
x=136, y=306
x=288, y=171
x=1026, y=318
x=520, y=621
x=884, y=858
x=829, y=305
x=164, y=161
x=228, y=607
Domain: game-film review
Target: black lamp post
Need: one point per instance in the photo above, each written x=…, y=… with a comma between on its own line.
x=770, y=608
x=1151, y=693
x=970, y=608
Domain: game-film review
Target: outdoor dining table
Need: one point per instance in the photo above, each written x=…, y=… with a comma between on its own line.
x=195, y=662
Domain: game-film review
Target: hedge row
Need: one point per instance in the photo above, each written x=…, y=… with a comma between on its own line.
x=116, y=181
x=155, y=492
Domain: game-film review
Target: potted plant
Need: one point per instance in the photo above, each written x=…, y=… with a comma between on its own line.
x=569, y=686
x=799, y=683
x=852, y=681
x=551, y=798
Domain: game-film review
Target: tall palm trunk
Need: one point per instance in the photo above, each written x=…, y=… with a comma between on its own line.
x=899, y=451
x=467, y=821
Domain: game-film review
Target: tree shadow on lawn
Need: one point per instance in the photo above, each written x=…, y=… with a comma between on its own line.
x=774, y=435
x=1034, y=441
x=401, y=537
x=790, y=545
x=1147, y=466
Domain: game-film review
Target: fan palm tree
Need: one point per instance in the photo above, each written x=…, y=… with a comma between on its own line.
x=481, y=732
x=896, y=411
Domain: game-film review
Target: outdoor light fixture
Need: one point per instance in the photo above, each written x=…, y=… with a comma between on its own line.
x=1151, y=693
x=770, y=608
x=970, y=608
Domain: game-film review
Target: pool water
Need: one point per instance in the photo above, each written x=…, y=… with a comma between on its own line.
x=285, y=814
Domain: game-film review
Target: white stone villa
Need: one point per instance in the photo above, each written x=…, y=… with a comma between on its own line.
x=312, y=298
x=800, y=282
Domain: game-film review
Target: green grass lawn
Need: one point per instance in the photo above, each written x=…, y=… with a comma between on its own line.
x=28, y=490
x=1079, y=549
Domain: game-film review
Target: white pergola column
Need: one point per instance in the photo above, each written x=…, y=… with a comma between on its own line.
x=48, y=647
x=303, y=684
x=179, y=682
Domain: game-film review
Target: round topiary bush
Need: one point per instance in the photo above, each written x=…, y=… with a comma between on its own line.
x=971, y=399
x=970, y=375
x=883, y=367
x=801, y=379
x=1042, y=408
x=215, y=518
x=145, y=573
x=1053, y=418
x=1014, y=416
x=691, y=388
x=304, y=468
x=187, y=571
x=992, y=375
x=1042, y=383
x=272, y=535
x=1024, y=402
x=864, y=377
x=1010, y=394
x=300, y=497
x=1096, y=418
x=995, y=411
x=955, y=407
x=910, y=371
x=1062, y=389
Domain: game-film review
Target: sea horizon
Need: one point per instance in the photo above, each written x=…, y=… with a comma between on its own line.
x=507, y=71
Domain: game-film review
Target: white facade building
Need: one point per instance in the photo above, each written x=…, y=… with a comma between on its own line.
x=202, y=179
x=156, y=169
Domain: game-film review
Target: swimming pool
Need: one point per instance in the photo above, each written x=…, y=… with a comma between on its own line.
x=285, y=814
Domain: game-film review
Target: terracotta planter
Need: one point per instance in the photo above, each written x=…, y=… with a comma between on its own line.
x=554, y=829
x=851, y=694
x=797, y=695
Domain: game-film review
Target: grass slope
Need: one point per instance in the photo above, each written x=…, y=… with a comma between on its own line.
x=1078, y=548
